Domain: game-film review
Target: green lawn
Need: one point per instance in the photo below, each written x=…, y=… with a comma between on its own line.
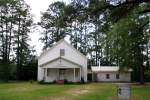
x=92, y=91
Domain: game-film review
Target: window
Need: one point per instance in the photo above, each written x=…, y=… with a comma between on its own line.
x=62, y=52
x=107, y=76
x=117, y=76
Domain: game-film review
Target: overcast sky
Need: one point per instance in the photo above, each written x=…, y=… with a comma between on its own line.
x=38, y=6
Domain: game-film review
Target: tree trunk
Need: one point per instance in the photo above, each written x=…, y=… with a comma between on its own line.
x=141, y=60
x=6, y=41
x=141, y=74
x=10, y=38
x=2, y=32
x=18, y=49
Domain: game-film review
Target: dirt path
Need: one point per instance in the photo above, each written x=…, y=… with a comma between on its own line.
x=84, y=89
x=69, y=94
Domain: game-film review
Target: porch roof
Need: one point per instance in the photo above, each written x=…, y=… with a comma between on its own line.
x=60, y=64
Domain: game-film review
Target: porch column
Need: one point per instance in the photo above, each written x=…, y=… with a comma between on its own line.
x=80, y=73
x=45, y=74
x=92, y=77
x=74, y=76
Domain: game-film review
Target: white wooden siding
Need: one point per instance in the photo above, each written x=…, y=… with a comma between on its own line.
x=123, y=77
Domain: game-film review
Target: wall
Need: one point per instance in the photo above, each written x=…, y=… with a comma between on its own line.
x=123, y=77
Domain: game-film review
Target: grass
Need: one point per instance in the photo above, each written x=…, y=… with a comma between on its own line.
x=141, y=93
x=92, y=91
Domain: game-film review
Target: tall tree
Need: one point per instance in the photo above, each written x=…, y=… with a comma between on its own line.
x=7, y=9
x=53, y=24
x=130, y=43
x=15, y=22
x=23, y=23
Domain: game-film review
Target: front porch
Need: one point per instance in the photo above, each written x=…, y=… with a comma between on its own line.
x=61, y=74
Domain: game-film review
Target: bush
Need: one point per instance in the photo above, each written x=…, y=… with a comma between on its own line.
x=147, y=76
x=54, y=81
x=31, y=81
x=5, y=71
x=41, y=82
x=82, y=80
x=65, y=81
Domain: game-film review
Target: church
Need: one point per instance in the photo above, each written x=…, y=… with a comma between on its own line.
x=64, y=62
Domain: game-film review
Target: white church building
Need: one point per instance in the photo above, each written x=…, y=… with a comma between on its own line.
x=64, y=62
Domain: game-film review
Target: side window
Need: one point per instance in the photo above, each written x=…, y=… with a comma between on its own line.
x=117, y=76
x=107, y=76
x=62, y=52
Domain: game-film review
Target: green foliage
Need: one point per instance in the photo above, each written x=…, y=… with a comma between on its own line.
x=147, y=75
x=128, y=40
x=53, y=24
x=29, y=71
x=115, y=33
x=16, y=21
x=7, y=72
x=4, y=72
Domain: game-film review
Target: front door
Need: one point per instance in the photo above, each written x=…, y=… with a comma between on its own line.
x=62, y=74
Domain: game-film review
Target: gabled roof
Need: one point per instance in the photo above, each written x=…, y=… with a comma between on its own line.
x=62, y=59
x=57, y=43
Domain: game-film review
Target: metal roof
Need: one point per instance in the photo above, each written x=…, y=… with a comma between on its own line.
x=107, y=69
x=104, y=68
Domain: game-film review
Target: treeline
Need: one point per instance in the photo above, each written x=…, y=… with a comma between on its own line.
x=109, y=32
x=15, y=53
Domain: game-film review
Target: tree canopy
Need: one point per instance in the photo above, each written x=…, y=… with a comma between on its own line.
x=110, y=32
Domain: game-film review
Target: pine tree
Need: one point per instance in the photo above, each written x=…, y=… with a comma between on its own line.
x=53, y=24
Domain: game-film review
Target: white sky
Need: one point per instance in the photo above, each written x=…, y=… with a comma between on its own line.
x=38, y=6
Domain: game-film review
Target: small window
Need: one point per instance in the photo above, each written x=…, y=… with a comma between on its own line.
x=62, y=52
x=117, y=76
x=107, y=76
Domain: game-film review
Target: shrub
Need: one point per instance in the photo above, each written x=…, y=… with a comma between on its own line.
x=147, y=76
x=82, y=80
x=31, y=81
x=65, y=81
x=41, y=82
x=54, y=81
